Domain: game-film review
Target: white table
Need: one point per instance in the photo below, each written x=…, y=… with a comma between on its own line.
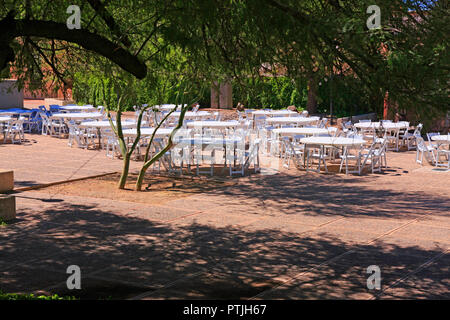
x=292, y=120
x=333, y=141
x=5, y=119
x=273, y=113
x=190, y=114
x=78, y=116
x=442, y=139
x=209, y=141
x=146, y=132
x=378, y=125
x=213, y=124
x=77, y=108
x=105, y=124
x=21, y=113
x=337, y=142
x=168, y=107
x=289, y=132
x=229, y=146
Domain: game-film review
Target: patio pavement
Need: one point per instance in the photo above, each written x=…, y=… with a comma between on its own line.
x=44, y=159
x=292, y=235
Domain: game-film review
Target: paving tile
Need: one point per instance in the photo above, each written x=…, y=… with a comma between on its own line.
x=23, y=249
x=27, y=280
x=346, y=277
x=430, y=282
x=99, y=289
x=156, y=271
x=223, y=286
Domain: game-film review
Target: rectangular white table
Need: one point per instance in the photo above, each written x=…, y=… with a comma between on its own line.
x=273, y=113
x=300, y=121
x=77, y=116
x=213, y=124
x=77, y=108
x=337, y=142
x=289, y=132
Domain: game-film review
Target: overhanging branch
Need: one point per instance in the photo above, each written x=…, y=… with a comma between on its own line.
x=12, y=28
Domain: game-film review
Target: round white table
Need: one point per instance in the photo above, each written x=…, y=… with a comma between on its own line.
x=285, y=132
x=292, y=120
x=213, y=124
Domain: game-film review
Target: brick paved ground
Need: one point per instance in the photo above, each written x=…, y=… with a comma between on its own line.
x=287, y=236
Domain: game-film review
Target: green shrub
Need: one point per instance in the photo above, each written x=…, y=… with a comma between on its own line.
x=16, y=296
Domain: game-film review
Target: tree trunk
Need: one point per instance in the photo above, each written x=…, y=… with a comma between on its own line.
x=125, y=169
x=311, y=105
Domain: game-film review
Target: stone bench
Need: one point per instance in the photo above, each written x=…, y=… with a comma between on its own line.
x=7, y=207
x=6, y=180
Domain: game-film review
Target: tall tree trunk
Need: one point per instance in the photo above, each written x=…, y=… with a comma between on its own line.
x=125, y=169
x=311, y=105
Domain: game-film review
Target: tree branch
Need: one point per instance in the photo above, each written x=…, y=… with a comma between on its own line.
x=100, y=9
x=12, y=28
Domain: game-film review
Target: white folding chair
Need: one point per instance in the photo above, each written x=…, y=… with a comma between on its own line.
x=409, y=139
x=13, y=129
x=427, y=150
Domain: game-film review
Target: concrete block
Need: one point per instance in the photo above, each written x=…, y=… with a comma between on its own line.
x=7, y=207
x=6, y=180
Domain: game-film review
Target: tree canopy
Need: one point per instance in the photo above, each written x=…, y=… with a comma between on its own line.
x=210, y=40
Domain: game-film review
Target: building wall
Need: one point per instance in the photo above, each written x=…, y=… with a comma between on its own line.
x=10, y=97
